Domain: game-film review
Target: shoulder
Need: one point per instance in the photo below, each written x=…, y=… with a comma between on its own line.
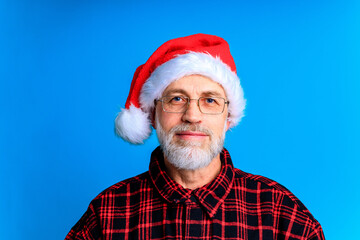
x=123, y=185
x=253, y=181
x=111, y=203
x=262, y=192
x=280, y=195
x=118, y=193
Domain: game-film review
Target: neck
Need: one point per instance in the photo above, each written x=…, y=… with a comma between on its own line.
x=193, y=179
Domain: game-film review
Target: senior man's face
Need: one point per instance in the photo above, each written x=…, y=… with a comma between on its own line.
x=192, y=139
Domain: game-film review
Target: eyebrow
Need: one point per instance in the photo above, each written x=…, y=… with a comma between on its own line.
x=211, y=93
x=206, y=93
x=172, y=91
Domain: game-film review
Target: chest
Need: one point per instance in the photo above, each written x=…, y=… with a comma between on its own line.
x=153, y=218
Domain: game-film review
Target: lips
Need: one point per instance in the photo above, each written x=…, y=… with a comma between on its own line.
x=191, y=135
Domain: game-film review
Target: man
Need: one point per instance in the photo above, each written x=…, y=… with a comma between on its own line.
x=189, y=92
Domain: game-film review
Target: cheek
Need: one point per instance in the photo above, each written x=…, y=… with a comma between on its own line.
x=167, y=120
x=219, y=126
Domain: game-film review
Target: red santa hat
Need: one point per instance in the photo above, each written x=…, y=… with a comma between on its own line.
x=201, y=54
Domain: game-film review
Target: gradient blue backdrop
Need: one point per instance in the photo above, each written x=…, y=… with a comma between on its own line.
x=66, y=68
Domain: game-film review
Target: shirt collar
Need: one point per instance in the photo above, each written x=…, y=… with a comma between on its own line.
x=210, y=196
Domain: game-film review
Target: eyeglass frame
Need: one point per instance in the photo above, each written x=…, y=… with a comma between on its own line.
x=188, y=104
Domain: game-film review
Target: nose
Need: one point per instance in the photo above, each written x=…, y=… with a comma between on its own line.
x=192, y=114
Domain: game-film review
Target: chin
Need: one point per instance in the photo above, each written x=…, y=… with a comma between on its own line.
x=194, y=144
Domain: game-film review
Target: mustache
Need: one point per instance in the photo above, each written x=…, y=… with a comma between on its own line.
x=192, y=127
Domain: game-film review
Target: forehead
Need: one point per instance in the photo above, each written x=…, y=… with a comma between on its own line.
x=195, y=85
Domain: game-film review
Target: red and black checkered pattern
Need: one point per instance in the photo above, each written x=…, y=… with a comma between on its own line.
x=236, y=205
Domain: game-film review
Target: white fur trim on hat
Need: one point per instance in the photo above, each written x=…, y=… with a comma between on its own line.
x=190, y=64
x=133, y=125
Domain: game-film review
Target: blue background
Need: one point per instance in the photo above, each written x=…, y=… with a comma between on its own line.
x=65, y=72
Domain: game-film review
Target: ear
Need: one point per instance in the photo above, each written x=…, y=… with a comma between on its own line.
x=152, y=117
x=228, y=122
x=227, y=125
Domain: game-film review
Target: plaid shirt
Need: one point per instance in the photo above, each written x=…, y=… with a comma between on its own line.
x=235, y=205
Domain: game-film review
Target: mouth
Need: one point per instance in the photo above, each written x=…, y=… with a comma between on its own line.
x=191, y=135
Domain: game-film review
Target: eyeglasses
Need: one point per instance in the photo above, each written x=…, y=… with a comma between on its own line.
x=180, y=104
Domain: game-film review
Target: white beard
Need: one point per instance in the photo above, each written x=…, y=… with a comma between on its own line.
x=189, y=155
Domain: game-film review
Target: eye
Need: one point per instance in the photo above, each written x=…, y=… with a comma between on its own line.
x=210, y=100
x=176, y=99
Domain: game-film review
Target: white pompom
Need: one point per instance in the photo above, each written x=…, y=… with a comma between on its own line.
x=133, y=125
